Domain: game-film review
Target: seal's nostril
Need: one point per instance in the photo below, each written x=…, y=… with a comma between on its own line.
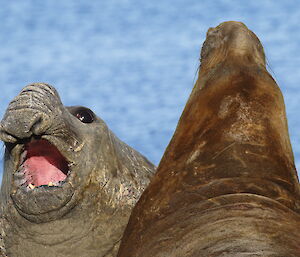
x=36, y=126
x=7, y=138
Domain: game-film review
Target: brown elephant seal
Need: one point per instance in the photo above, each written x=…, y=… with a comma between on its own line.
x=69, y=183
x=227, y=183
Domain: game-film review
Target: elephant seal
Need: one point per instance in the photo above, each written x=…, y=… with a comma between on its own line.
x=227, y=183
x=69, y=183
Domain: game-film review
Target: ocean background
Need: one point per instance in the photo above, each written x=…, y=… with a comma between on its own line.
x=134, y=62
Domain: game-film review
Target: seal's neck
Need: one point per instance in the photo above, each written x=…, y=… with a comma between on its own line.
x=233, y=132
x=86, y=231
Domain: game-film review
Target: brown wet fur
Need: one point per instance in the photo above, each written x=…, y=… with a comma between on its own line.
x=227, y=183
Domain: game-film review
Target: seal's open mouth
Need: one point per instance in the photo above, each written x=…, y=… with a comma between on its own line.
x=42, y=165
x=42, y=187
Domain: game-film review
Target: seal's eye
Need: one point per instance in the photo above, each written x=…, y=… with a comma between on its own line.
x=85, y=115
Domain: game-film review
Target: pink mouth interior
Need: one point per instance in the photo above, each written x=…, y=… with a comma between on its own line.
x=44, y=164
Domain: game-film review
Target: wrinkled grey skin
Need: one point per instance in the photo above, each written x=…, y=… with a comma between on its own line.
x=87, y=215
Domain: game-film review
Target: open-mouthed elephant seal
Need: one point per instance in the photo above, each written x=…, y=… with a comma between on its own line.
x=227, y=183
x=69, y=183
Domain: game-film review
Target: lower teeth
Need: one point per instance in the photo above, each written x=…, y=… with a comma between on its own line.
x=50, y=184
x=31, y=186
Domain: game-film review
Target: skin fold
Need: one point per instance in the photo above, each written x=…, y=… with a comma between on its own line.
x=98, y=179
x=227, y=183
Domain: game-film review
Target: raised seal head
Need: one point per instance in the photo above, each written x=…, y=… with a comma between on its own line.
x=69, y=183
x=231, y=40
x=227, y=183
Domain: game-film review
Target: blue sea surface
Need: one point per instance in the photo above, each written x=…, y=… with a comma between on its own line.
x=135, y=62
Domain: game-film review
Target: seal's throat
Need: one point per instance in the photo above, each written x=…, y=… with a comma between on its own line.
x=43, y=164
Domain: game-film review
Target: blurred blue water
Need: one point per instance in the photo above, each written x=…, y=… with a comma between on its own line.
x=134, y=62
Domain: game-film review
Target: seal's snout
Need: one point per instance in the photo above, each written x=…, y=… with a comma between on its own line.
x=232, y=40
x=31, y=113
x=228, y=30
x=13, y=130
x=230, y=25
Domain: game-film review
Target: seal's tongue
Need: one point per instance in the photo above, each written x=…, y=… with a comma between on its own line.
x=44, y=164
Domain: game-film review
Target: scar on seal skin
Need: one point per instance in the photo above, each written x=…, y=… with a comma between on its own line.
x=227, y=183
x=69, y=183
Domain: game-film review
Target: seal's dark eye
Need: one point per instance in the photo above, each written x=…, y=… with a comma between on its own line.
x=85, y=116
